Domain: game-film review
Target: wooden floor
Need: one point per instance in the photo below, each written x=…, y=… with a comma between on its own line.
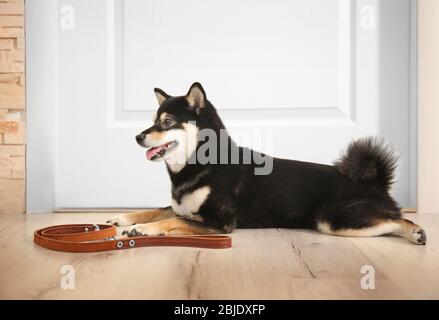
x=263, y=264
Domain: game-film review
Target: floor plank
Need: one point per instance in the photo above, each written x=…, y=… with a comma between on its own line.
x=263, y=264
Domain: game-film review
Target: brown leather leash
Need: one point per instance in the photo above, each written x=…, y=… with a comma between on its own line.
x=100, y=237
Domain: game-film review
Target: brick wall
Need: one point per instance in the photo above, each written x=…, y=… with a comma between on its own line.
x=12, y=107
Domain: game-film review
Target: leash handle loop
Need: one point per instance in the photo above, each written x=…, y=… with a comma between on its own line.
x=101, y=237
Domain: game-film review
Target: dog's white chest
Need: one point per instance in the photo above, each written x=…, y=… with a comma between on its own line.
x=190, y=203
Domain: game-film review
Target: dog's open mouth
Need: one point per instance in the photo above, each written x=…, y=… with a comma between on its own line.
x=159, y=151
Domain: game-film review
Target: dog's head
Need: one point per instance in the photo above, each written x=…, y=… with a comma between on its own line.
x=173, y=136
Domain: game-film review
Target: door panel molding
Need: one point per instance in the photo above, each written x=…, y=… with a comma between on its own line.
x=121, y=115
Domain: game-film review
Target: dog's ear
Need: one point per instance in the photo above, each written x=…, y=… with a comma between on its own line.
x=161, y=95
x=196, y=97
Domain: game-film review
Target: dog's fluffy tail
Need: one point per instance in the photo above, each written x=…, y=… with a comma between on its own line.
x=369, y=159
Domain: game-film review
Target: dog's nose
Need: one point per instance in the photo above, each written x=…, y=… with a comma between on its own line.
x=140, y=138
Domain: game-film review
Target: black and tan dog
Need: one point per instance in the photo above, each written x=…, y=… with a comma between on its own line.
x=350, y=198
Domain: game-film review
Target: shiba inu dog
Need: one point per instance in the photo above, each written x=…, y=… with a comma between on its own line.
x=350, y=198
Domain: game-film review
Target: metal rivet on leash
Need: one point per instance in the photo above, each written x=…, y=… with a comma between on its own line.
x=119, y=244
x=132, y=243
x=86, y=229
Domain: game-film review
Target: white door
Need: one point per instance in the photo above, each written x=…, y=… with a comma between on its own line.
x=309, y=75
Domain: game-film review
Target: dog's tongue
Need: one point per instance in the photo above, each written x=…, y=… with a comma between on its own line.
x=153, y=151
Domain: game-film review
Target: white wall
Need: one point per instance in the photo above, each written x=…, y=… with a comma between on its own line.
x=428, y=115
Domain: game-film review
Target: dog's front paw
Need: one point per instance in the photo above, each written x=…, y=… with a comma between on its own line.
x=132, y=233
x=120, y=220
x=142, y=230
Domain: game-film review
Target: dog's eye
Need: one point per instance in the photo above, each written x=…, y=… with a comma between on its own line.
x=168, y=122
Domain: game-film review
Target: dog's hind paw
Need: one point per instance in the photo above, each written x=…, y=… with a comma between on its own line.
x=418, y=236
